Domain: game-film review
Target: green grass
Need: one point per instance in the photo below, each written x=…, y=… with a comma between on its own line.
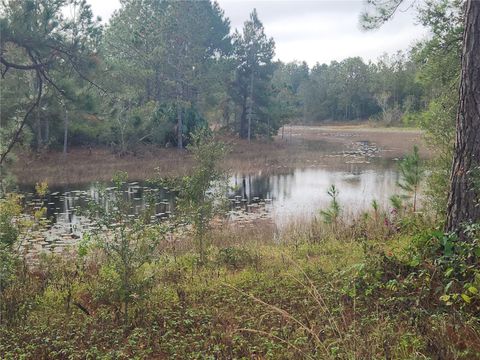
x=348, y=293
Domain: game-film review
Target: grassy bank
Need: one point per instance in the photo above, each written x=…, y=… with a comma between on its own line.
x=300, y=146
x=372, y=290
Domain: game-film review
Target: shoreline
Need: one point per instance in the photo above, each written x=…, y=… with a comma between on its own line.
x=301, y=147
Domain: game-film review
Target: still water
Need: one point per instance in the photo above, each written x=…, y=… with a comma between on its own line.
x=282, y=197
x=303, y=192
x=360, y=171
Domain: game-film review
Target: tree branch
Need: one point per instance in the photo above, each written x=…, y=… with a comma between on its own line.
x=17, y=133
x=8, y=65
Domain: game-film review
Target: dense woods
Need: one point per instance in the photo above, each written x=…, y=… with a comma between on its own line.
x=157, y=70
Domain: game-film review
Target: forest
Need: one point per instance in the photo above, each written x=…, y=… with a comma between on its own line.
x=121, y=83
x=170, y=189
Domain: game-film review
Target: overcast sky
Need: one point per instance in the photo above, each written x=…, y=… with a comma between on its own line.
x=314, y=30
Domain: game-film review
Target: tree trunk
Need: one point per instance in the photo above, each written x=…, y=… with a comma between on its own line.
x=250, y=109
x=47, y=130
x=38, y=126
x=158, y=87
x=243, y=118
x=463, y=203
x=180, y=94
x=179, y=127
x=65, y=131
x=38, y=122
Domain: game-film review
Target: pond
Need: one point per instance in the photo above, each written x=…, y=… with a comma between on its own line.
x=281, y=196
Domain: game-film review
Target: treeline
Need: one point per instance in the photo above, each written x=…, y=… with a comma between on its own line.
x=158, y=70
x=351, y=89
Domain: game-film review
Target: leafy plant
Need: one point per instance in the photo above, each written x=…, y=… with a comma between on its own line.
x=12, y=226
x=202, y=195
x=235, y=258
x=128, y=242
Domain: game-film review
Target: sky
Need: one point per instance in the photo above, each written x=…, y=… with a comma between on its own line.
x=315, y=30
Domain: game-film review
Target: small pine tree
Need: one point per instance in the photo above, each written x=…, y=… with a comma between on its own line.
x=411, y=175
x=330, y=215
x=202, y=194
x=376, y=208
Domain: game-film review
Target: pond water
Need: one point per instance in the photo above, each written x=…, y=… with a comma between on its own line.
x=283, y=197
x=302, y=193
x=280, y=196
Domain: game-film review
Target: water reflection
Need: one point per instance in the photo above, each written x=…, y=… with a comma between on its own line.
x=296, y=193
x=63, y=203
x=283, y=197
x=302, y=192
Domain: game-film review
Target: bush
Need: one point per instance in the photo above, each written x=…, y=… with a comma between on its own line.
x=235, y=258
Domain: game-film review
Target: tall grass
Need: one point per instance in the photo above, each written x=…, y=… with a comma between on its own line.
x=363, y=289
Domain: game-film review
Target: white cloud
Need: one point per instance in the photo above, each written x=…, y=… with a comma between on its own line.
x=314, y=31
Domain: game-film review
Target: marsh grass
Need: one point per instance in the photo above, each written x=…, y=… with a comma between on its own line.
x=306, y=291
x=302, y=146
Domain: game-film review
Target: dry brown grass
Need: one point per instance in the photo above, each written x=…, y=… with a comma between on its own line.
x=301, y=146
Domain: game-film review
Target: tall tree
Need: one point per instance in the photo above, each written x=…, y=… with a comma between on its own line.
x=287, y=82
x=254, y=52
x=463, y=200
x=161, y=51
x=340, y=91
x=463, y=203
x=39, y=39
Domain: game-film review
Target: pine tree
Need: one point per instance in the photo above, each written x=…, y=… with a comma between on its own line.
x=411, y=175
x=253, y=54
x=44, y=49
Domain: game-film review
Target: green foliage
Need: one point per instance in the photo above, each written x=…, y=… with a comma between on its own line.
x=202, y=194
x=438, y=72
x=457, y=261
x=43, y=52
x=41, y=189
x=254, y=52
x=377, y=13
x=385, y=90
x=235, y=258
x=311, y=296
x=331, y=215
x=167, y=68
x=438, y=121
x=164, y=59
x=10, y=209
x=10, y=230
x=275, y=308
x=396, y=202
x=129, y=244
x=15, y=290
x=411, y=175
x=164, y=124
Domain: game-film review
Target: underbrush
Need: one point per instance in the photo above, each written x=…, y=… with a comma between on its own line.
x=382, y=287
